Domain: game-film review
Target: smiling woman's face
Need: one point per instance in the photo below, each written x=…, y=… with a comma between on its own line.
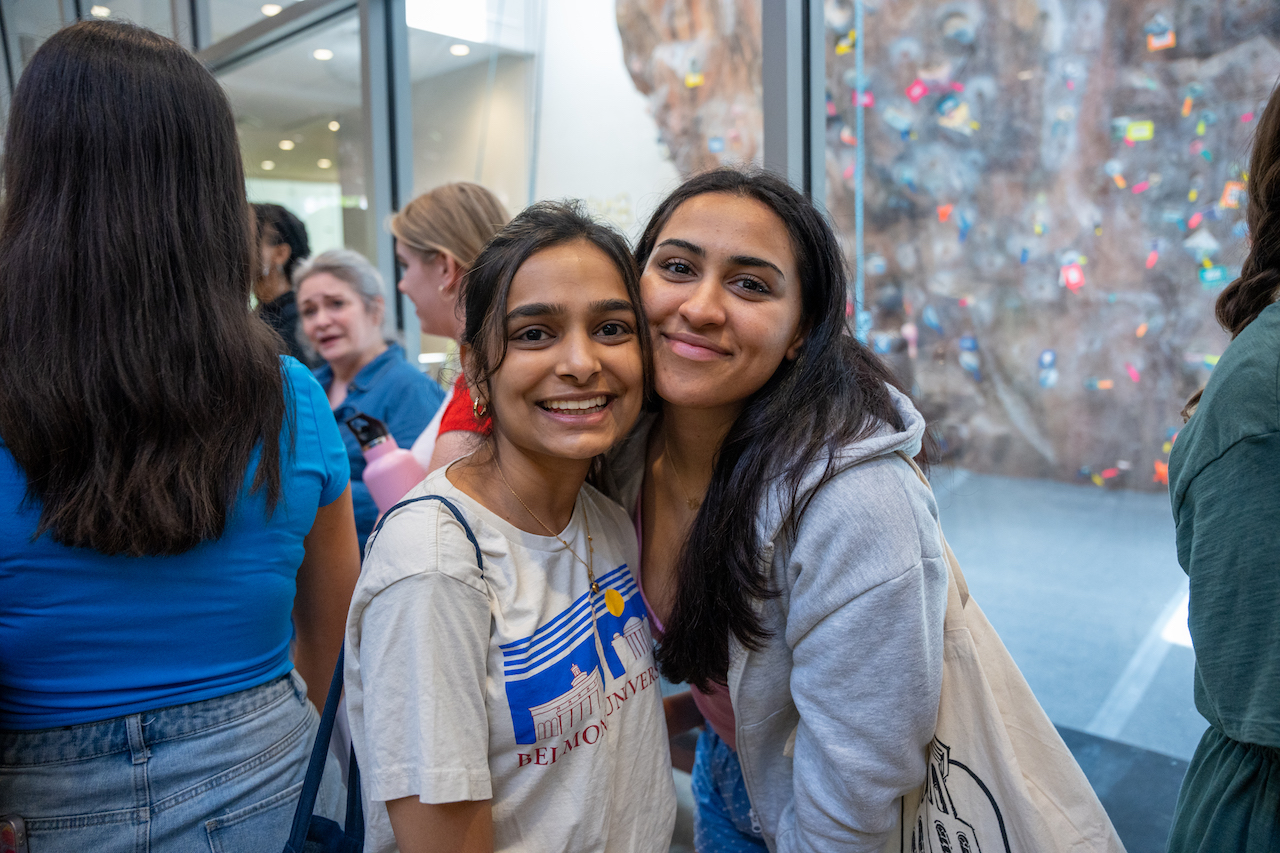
x=571, y=382
x=723, y=299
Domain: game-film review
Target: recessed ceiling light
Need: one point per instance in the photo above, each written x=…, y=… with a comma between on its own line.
x=324, y=163
x=272, y=9
x=333, y=125
x=268, y=165
x=460, y=50
x=99, y=11
x=286, y=144
x=322, y=53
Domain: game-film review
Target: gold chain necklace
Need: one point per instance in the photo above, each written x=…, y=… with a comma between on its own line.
x=591, y=551
x=693, y=503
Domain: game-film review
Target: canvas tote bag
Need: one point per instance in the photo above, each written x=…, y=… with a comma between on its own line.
x=1000, y=779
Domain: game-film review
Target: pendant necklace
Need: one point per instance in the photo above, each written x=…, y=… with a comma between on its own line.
x=591, y=551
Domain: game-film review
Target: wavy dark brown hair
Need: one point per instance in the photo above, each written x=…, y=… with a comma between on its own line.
x=1259, y=283
x=138, y=388
x=835, y=392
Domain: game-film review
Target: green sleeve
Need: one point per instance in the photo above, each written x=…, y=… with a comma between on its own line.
x=1229, y=542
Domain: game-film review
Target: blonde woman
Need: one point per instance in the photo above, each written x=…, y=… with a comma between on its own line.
x=438, y=236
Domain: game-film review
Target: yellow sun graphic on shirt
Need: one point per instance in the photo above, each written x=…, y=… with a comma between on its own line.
x=613, y=600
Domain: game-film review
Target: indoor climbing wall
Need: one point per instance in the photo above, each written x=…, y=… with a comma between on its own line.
x=1054, y=197
x=698, y=62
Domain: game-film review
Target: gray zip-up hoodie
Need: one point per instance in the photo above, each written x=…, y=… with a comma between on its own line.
x=834, y=714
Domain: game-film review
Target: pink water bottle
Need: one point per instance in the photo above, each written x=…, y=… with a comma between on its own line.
x=391, y=471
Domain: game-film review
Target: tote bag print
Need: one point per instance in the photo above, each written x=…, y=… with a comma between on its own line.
x=939, y=825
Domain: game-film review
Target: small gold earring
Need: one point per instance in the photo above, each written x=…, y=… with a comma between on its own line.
x=479, y=409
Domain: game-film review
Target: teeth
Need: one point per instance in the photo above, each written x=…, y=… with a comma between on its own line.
x=574, y=405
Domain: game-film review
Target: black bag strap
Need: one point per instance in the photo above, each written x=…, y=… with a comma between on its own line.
x=453, y=509
x=315, y=770
x=353, y=827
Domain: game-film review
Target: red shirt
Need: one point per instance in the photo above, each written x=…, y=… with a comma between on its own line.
x=458, y=414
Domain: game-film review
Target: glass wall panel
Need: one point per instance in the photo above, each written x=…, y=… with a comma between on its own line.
x=27, y=24
x=472, y=91
x=1052, y=202
x=298, y=110
x=227, y=17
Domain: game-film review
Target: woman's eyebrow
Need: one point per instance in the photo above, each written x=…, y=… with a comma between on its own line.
x=752, y=261
x=535, y=309
x=606, y=306
x=683, y=244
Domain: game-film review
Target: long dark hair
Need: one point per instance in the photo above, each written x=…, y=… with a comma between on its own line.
x=486, y=285
x=137, y=385
x=285, y=228
x=836, y=391
x=1259, y=282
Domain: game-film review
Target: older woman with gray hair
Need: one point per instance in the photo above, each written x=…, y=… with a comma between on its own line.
x=341, y=305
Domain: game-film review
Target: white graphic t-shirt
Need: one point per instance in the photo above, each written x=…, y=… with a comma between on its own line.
x=463, y=686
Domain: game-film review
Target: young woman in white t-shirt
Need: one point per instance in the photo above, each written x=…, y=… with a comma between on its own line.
x=509, y=700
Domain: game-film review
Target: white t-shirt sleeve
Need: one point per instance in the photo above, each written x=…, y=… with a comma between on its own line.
x=416, y=691
x=423, y=659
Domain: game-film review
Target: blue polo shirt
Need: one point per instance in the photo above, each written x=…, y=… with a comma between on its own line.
x=396, y=393
x=86, y=637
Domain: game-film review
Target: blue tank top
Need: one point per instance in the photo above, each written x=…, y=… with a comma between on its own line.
x=86, y=637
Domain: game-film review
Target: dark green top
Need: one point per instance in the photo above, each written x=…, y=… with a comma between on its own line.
x=1224, y=480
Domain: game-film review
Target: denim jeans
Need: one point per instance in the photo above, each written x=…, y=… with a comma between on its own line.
x=723, y=820
x=221, y=775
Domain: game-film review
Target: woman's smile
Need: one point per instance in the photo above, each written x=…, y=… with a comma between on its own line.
x=692, y=347
x=577, y=406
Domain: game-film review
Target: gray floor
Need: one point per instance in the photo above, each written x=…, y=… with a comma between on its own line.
x=1081, y=583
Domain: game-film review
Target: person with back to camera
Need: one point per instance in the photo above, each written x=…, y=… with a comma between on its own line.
x=1224, y=482
x=790, y=555
x=502, y=694
x=438, y=236
x=172, y=491
x=340, y=300
x=282, y=245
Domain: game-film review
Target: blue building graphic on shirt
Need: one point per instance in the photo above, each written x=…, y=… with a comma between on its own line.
x=554, y=678
x=626, y=634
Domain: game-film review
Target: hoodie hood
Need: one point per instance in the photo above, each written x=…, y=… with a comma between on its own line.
x=884, y=441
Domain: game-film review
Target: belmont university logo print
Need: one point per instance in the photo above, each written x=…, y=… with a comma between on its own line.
x=939, y=827
x=555, y=678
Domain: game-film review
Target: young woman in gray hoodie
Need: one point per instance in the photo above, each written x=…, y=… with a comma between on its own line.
x=789, y=553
